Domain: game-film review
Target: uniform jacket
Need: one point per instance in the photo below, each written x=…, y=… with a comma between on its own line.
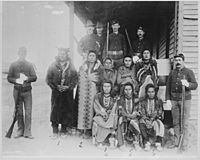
x=24, y=67
x=117, y=42
x=140, y=45
x=174, y=86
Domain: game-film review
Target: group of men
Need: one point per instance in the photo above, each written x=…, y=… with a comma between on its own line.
x=125, y=107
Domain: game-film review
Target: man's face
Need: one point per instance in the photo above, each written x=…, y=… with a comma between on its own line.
x=99, y=30
x=108, y=63
x=22, y=53
x=128, y=90
x=115, y=27
x=140, y=33
x=90, y=29
x=127, y=62
x=178, y=62
x=151, y=93
x=106, y=88
x=91, y=57
x=62, y=55
x=146, y=55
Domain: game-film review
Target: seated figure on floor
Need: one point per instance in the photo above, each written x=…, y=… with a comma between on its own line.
x=151, y=126
x=128, y=128
x=105, y=119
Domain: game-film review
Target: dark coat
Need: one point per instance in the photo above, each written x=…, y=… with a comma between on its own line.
x=140, y=45
x=174, y=85
x=26, y=68
x=61, y=102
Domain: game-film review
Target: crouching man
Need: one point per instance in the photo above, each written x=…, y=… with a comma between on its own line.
x=151, y=126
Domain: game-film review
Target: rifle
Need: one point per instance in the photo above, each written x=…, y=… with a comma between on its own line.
x=129, y=42
x=182, y=117
x=15, y=118
x=107, y=39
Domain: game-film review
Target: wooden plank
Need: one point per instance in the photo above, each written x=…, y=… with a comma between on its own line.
x=191, y=60
x=190, y=33
x=190, y=39
x=190, y=28
x=190, y=2
x=192, y=6
x=188, y=48
x=190, y=54
x=192, y=65
x=191, y=12
x=190, y=44
x=190, y=22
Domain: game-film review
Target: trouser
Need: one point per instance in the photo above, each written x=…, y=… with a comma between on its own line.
x=130, y=127
x=176, y=115
x=55, y=128
x=24, y=123
x=151, y=132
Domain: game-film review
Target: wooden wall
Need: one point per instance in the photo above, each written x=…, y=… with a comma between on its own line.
x=188, y=43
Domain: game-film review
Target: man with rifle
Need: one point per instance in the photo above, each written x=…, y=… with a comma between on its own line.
x=181, y=81
x=116, y=45
x=21, y=74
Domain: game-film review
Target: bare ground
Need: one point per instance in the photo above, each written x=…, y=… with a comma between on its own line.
x=43, y=146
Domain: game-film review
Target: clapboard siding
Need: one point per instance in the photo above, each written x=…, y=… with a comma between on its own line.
x=171, y=36
x=189, y=43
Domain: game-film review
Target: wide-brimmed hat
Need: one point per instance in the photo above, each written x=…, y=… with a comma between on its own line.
x=140, y=28
x=115, y=23
x=89, y=23
x=99, y=25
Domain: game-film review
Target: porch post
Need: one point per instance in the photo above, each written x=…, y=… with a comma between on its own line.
x=71, y=29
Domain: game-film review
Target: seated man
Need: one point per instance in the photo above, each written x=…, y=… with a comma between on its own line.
x=151, y=110
x=128, y=128
x=105, y=119
x=146, y=72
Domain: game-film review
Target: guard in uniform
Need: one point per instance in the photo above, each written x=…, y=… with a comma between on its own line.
x=116, y=45
x=140, y=44
x=88, y=42
x=178, y=77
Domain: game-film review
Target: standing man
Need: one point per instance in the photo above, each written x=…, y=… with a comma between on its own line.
x=21, y=74
x=116, y=45
x=178, y=77
x=141, y=43
x=100, y=40
x=62, y=78
x=89, y=41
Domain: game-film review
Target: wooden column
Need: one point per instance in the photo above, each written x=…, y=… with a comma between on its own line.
x=71, y=28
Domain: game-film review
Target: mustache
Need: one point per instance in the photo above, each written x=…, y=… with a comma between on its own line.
x=178, y=64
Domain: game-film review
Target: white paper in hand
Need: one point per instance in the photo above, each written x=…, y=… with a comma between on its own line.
x=23, y=76
x=19, y=81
